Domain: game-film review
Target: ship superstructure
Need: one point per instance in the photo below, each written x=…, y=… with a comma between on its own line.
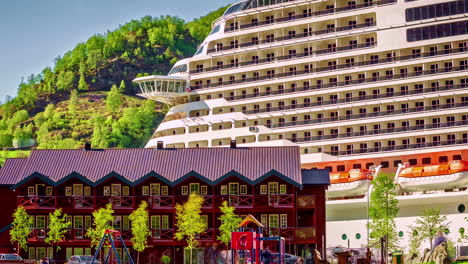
x=347, y=81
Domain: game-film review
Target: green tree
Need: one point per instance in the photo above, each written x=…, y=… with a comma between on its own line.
x=102, y=220
x=383, y=209
x=189, y=221
x=20, y=228
x=427, y=226
x=140, y=228
x=114, y=99
x=229, y=223
x=82, y=85
x=122, y=86
x=58, y=226
x=73, y=103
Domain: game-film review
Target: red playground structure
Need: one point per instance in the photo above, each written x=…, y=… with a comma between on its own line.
x=247, y=244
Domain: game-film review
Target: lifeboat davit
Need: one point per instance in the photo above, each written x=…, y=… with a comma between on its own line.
x=354, y=183
x=434, y=177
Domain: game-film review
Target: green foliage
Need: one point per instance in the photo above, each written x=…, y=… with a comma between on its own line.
x=73, y=103
x=165, y=259
x=19, y=231
x=140, y=227
x=58, y=226
x=229, y=222
x=140, y=47
x=429, y=224
x=189, y=221
x=102, y=220
x=383, y=209
x=82, y=85
x=114, y=99
x=201, y=27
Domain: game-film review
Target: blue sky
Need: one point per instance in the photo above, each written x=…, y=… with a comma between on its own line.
x=34, y=32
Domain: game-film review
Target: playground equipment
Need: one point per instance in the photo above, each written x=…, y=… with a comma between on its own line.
x=247, y=243
x=111, y=235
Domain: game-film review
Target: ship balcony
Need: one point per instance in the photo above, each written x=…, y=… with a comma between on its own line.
x=165, y=89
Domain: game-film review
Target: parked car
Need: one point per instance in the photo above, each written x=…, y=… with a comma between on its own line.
x=288, y=258
x=82, y=260
x=10, y=258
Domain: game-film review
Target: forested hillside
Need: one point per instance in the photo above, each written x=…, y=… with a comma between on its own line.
x=67, y=105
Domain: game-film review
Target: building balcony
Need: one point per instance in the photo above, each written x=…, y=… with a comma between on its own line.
x=155, y=202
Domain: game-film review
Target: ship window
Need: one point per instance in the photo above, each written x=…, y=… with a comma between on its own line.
x=426, y=161
x=340, y=168
x=413, y=161
x=356, y=166
x=329, y=168
x=461, y=230
x=443, y=159
x=400, y=234
x=358, y=236
x=396, y=162
x=461, y=208
x=368, y=165
x=344, y=237
x=384, y=164
x=457, y=157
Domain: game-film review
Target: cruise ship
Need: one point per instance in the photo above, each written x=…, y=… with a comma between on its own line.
x=362, y=86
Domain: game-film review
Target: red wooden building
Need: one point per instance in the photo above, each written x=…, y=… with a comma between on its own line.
x=266, y=182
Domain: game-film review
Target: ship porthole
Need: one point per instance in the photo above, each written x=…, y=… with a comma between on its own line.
x=461, y=208
x=358, y=236
x=447, y=231
x=461, y=230
x=400, y=234
x=344, y=237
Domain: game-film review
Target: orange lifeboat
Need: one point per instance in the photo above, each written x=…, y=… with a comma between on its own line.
x=439, y=177
x=349, y=184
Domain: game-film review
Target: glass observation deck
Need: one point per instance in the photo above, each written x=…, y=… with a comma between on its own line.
x=165, y=89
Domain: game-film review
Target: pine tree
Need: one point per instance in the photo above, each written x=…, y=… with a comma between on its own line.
x=382, y=210
x=20, y=228
x=122, y=86
x=189, y=221
x=102, y=220
x=114, y=99
x=73, y=103
x=140, y=228
x=82, y=85
x=58, y=226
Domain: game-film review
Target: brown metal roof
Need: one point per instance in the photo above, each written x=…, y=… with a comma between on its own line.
x=172, y=164
x=11, y=170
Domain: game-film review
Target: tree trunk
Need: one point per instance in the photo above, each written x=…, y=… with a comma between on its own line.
x=138, y=257
x=18, y=248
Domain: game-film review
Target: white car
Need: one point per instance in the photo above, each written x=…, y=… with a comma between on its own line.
x=82, y=260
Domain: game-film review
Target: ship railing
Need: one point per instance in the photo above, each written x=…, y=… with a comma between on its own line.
x=356, y=98
x=381, y=131
x=334, y=67
x=285, y=74
x=310, y=14
x=367, y=115
x=399, y=147
x=346, y=82
x=294, y=36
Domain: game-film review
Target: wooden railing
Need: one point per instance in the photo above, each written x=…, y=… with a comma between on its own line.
x=155, y=202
